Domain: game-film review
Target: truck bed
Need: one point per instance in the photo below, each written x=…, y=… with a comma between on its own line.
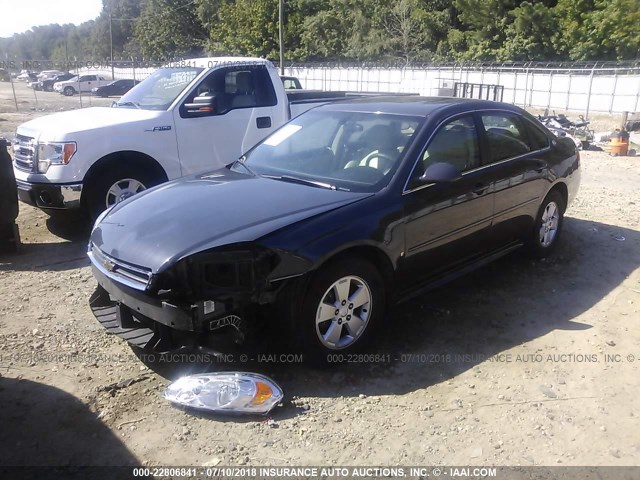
x=302, y=100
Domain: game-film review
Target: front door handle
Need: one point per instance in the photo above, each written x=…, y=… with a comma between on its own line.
x=263, y=122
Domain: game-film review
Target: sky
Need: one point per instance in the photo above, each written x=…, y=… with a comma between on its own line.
x=17, y=16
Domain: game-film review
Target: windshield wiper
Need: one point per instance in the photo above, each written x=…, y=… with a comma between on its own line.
x=128, y=104
x=302, y=181
x=241, y=161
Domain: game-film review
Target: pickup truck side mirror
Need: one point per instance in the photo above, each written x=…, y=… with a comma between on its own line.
x=202, y=106
x=440, y=172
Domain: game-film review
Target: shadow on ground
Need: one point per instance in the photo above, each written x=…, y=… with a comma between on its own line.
x=45, y=426
x=454, y=328
x=55, y=256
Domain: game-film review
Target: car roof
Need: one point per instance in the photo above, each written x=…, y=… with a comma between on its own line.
x=415, y=105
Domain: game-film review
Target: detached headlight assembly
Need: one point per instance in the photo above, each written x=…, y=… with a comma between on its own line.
x=54, y=153
x=228, y=392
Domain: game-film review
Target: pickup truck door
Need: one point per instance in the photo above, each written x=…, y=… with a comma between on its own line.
x=246, y=110
x=87, y=82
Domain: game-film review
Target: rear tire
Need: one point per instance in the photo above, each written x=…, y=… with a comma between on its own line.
x=343, y=307
x=548, y=226
x=113, y=185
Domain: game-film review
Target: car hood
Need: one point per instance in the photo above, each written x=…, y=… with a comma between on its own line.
x=159, y=227
x=65, y=124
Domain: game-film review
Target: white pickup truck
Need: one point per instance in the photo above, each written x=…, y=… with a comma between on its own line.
x=184, y=119
x=80, y=83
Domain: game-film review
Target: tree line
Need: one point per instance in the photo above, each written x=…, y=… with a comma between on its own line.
x=406, y=31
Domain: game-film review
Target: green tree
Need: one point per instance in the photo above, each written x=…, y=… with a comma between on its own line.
x=611, y=31
x=530, y=33
x=169, y=28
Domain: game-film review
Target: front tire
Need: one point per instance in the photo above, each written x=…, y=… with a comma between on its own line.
x=341, y=310
x=548, y=226
x=69, y=91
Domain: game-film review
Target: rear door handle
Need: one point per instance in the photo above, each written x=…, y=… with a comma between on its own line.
x=480, y=188
x=263, y=122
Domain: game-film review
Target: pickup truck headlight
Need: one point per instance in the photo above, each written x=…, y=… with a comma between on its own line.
x=54, y=154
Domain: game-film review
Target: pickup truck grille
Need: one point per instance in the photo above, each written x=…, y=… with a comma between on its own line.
x=24, y=153
x=130, y=275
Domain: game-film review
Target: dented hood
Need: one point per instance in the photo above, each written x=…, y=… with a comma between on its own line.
x=165, y=224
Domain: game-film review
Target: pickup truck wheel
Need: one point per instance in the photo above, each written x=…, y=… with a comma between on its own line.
x=116, y=186
x=343, y=306
x=69, y=91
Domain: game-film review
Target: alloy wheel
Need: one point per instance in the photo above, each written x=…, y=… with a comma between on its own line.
x=343, y=313
x=549, y=224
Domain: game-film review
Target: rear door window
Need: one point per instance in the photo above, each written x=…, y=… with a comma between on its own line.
x=506, y=136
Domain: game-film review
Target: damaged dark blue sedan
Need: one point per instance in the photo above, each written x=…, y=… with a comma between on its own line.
x=321, y=227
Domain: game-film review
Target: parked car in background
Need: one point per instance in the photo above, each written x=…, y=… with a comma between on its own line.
x=83, y=83
x=26, y=75
x=346, y=209
x=47, y=74
x=116, y=88
x=47, y=85
x=5, y=76
x=41, y=77
x=291, y=83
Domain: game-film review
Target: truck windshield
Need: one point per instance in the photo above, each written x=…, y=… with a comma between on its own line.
x=355, y=151
x=160, y=89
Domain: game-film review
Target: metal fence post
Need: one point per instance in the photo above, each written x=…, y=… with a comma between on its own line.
x=526, y=88
x=613, y=94
x=586, y=114
x=550, y=89
x=13, y=88
x=533, y=82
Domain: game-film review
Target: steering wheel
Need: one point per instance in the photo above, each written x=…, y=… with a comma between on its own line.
x=389, y=161
x=361, y=173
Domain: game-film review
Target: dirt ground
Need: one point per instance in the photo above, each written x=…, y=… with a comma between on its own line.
x=520, y=363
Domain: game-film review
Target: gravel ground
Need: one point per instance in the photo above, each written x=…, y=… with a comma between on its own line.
x=520, y=363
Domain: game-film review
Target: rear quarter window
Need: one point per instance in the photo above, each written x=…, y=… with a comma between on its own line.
x=537, y=137
x=506, y=136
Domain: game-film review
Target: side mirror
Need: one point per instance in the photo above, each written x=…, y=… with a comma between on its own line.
x=441, y=172
x=201, y=106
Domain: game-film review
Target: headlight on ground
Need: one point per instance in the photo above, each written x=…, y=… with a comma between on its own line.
x=231, y=392
x=52, y=153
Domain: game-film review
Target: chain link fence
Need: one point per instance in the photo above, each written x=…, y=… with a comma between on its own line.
x=607, y=87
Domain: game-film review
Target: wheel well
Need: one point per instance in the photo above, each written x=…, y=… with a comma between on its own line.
x=137, y=159
x=564, y=192
x=373, y=255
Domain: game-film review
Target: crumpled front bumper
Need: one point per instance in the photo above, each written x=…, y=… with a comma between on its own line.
x=154, y=324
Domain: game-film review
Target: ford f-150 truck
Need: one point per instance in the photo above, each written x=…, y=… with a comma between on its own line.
x=81, y=83
x=183, y=119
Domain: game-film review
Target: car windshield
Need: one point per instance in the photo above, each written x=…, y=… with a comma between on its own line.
x=160, y=89
x=352, y=151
